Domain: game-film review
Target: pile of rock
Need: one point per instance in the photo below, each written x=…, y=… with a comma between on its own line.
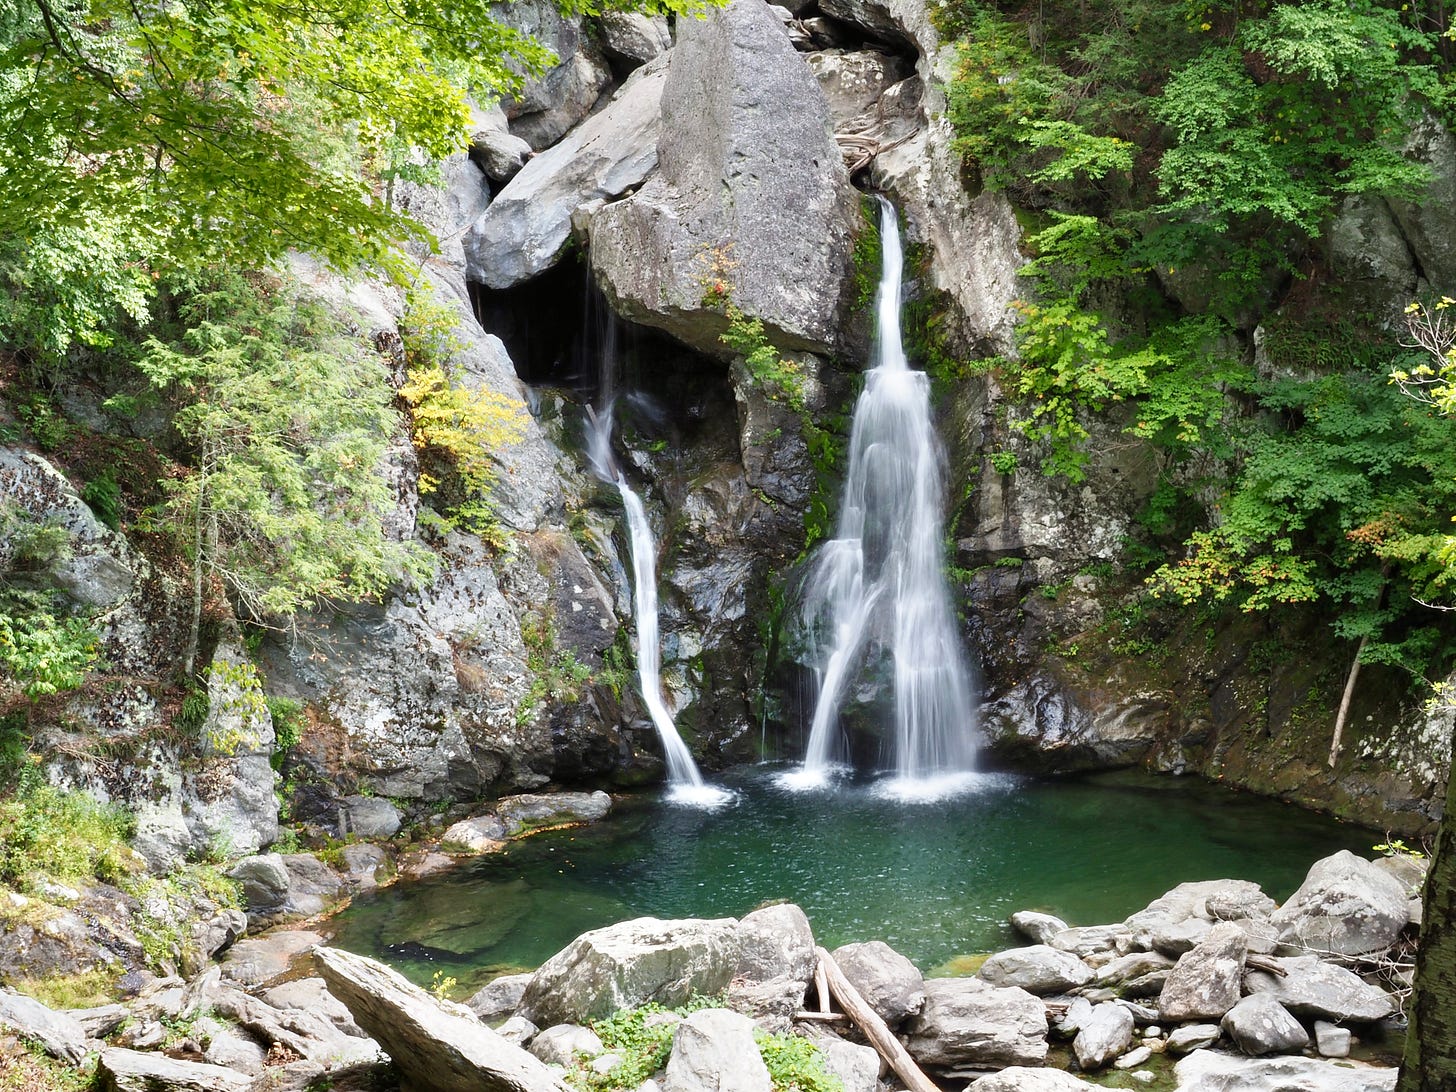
x=1245, y=994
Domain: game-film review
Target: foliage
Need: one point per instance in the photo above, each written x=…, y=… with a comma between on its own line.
x=26, y=1067
x=781, y=379
x=47, y=833
x=455, y=429
x=556, y=674
x=147, y=141
x=643, y=1041
x=103, y=495
x=287, y=416
x=795, y=1064
x=288, y=723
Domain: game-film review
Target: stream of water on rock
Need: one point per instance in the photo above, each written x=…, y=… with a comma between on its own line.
x=878, y=587
x=933, y=882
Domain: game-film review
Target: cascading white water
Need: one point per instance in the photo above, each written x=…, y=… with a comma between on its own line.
x=685, y=783
x=879, y=583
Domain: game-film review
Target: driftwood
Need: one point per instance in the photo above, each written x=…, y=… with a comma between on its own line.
x=821, y=986
x=875, y=1029
x=1263, y=963
x=822, y=1017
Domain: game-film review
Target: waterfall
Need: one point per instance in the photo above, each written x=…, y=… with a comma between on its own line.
x=878, y=585
x=684, y=781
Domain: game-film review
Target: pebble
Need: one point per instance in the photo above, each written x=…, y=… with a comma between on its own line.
x=1133, y=1058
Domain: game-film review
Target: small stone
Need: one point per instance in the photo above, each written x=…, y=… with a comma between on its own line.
x=1261, y=1025
x=1331, y=1040
x=1191, y=1037
x=1105, y=1035
x=517, y=1030
x=1133, y=1058
x=1152, y=1031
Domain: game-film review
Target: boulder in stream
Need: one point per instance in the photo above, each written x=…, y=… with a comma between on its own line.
x=1038, y=969
x=1261, y=1025
x=1346, y=906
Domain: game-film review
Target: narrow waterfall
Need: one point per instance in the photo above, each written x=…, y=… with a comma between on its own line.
x=684, y=781
x=878, y=585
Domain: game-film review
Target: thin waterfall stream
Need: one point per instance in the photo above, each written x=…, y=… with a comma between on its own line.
x=878, y=587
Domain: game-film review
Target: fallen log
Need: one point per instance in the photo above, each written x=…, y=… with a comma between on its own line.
x=875, y=1029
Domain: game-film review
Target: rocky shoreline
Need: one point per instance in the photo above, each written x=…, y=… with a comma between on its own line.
x=1213, y=986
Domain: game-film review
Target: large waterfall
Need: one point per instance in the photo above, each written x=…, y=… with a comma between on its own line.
x=684, y=781
x=878, y=586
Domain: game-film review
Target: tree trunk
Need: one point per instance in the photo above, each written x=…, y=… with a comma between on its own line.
x=1335, y=747
x=1430, y=1041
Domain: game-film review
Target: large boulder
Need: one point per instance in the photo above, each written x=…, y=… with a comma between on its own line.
x=1420, y=220
x=713, y=1050
x=58, y=1033
x=437, y=1046
x=1261, y=1025
x=1207, y=981
x=523, y=231
x=1204, y=900
x=146, y=1071
x=751, y=199
x=1311, y=987
x=536, y=811
x=1037, y=926
x=552, y=103
x=630, y=963
x=1020, y=1078
x=1209, y=1071
x=1039, y=969
x=1346, y=906
x=967, y=1022
x=775, y=941
x=1105, y=1034
x=889, y=983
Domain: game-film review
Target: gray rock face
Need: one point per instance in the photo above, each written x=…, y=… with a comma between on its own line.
x=1019, y=1078
x=311, y=995
x=1133, y=966
x=61, y=1035
x=773, y=942
x=1207, y=981
x=1261, y=1025
x=254, y=962
x=855, y=82
x=501, y=153
x=1172, y=940
x=482, y=834
x=629, y=964
x=713, y=1050
x=1207, y=1071
x=264, y=879
x=144, y=1071
x=1037, y=926
x=1105, y=1034
x=498, y=998
x=968, y=1022
x=1426, y=234
x=549, y=105
x=750, y=192
x=436, y=1045
x=1039, y=969
x=1346, y=906
x=524, y=229
x=632, y=36
x=1311, y=987
x=1368, y=249
x=889, y=983
x=1232, y=898
x=369, y=817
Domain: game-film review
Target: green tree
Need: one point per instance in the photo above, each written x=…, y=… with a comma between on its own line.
x=287, y=416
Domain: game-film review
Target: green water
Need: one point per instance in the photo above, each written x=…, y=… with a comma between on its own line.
x=933, y=880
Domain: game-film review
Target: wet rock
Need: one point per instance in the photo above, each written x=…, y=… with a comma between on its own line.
x=889, y=983
x=136, y=1071
x=483, y=834
x=1018, y=1078
x=521, y=814
x=750, y=195
x=254, y=962
x=1039, y=969
x=524, y=230
x=62, y=1036
x=561, y=1044
x=1261, y=1025
x=713, y=1050
x=1036, y=926
x=437, y=1046
x=498, y=998
x=967, y=1022
x=1104, y=1035
x=630, y=963
x=1207, y=1071
x=1207, y=981
x=1191, y=1037
x=1346, y=906
x=1311, y=987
